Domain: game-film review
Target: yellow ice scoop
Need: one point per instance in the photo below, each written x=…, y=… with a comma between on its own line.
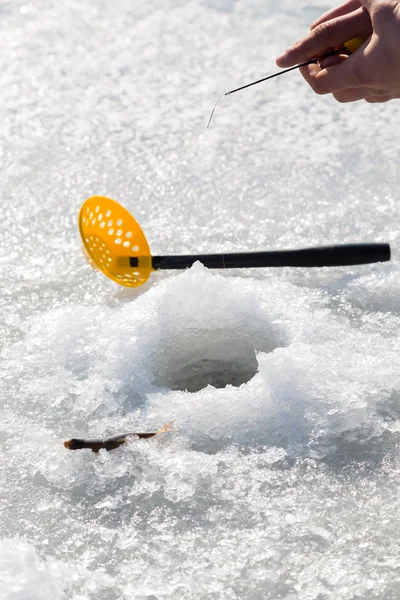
x=115, y=244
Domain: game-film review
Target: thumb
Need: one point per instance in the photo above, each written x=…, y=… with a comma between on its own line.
x=383, y=14
x=372, y=6
x=368, y=4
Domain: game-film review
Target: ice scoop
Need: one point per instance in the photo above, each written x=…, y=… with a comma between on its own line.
x=114, y=243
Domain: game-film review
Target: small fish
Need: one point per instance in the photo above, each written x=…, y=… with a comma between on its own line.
x=113, y=442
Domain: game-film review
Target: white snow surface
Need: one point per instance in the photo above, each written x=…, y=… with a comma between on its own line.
x=282, y=478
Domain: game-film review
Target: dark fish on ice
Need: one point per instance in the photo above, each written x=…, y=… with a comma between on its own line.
x=113, y=442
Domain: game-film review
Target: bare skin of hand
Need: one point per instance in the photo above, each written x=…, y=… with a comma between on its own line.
x=372, y=73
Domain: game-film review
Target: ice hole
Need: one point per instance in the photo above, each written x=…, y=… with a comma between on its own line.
x=217, y=358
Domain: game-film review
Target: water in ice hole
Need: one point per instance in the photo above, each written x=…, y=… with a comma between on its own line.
x=197, y=347
x=225, y=361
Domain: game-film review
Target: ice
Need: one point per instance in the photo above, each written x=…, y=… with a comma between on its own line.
x=281, y=477
x=24, y=576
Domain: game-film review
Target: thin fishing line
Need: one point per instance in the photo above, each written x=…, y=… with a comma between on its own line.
x=215, y=106
x=243, y=87
x=348, y=48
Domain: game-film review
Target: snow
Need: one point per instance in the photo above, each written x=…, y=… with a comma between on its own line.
x=281, y=479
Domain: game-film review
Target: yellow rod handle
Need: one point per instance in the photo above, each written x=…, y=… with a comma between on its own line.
x=354, y=44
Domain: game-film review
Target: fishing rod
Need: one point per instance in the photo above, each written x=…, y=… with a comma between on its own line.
x=115, y=244
x=348, y=48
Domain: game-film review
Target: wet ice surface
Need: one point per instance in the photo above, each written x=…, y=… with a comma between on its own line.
x=282, y=479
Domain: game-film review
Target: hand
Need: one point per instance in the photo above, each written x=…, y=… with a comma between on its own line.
x=372, y=73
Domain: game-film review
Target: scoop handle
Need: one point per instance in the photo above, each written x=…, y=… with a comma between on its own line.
x=325, y=256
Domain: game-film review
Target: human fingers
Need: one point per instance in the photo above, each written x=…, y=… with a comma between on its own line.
x=347, y=75
x=350, y=94
x=330, y=61
x=353, y=95
x=378, y=99
x=338, y=11
x=325, y=36
x=372, y=5
x=382, y=12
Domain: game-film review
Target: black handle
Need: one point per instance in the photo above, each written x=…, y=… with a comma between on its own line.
x=325, y=256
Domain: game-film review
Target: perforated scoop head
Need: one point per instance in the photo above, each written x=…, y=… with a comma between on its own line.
x=110, y=236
